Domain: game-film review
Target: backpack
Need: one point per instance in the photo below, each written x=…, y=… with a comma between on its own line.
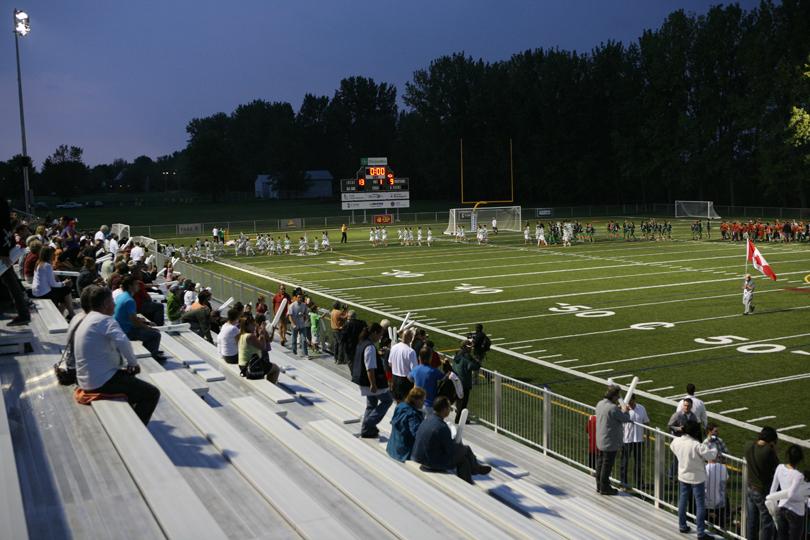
x=256, y=368
x=447, y=389
x=486, y=343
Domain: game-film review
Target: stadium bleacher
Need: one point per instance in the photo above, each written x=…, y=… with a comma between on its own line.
x=249, y=459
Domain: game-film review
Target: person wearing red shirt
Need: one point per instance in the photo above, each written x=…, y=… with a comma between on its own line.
x=30, y=261
x=282, y=321
x=261, y=305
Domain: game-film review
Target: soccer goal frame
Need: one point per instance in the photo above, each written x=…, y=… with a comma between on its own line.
x=121, y=230
x=695, y=209
x=508, y=217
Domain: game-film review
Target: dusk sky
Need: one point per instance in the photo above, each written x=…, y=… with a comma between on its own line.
x=122, y=79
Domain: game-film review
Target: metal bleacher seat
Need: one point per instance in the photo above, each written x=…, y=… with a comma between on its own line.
x=12, y=513
x=52, y=318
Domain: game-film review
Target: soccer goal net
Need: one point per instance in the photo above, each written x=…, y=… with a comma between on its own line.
x=507, y=218
x=120, y=230
x=695, y=209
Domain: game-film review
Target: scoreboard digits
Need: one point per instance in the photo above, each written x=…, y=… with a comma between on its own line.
x=374, y=178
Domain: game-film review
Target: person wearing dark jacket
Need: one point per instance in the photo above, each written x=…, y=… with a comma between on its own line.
x=465, y=366
x=610, y=420
x=762, y=460
x=349, y=337
x=405, y=423
x=88, y=275
x=7, y=276
x=368, y=372
x=435, y=449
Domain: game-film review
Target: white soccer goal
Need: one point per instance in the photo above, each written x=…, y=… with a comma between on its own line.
x=508, y=218
x=695, y=209
x=120, y=229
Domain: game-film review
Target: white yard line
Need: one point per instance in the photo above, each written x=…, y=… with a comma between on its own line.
x=645, y=382
x=564, y=361
x=740, y=409
x=754, y=384
x=522, y=347
x=533, y=352
x=602, y=371
x=584, y=293
x=689, y=351
x=760, y=419
x=621, y=376
x=497, y=338
x=797, y=426
x=659, y=389
x=548, y=356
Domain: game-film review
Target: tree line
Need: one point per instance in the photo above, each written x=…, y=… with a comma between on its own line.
x=710, y=106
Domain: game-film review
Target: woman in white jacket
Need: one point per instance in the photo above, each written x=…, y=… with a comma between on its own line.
x=45, y=285
x=692, y=456
x=790, y=490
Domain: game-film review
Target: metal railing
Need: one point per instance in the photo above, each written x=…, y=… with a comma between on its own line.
x=553, y=424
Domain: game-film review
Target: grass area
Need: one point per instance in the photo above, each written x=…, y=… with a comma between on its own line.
x=579, y=308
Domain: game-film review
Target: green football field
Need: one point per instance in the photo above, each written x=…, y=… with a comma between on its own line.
x=669, y=312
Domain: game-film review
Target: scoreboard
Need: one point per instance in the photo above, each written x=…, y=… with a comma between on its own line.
x=375, y=186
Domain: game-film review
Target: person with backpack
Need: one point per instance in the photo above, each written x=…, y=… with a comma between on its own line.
x=450, y=385
x=368, y=372
x=480, y=343
x=465, y=366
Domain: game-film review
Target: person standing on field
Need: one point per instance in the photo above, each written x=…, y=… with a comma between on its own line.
x=494, y=226
x=343, y=230
x=748, y=295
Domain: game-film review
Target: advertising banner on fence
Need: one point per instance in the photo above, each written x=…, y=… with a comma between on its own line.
x=383, y=219
x=371, y=205
x=189, y=228
x=544, y=212
x=292, y=223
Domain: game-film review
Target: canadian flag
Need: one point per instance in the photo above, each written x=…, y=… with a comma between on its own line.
x=758, y=261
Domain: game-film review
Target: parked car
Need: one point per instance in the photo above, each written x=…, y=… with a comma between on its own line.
x=95, y=204
x=41, y=205
x=70, y=204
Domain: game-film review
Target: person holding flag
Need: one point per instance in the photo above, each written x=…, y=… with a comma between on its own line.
x=758, y=261
x=748, y=295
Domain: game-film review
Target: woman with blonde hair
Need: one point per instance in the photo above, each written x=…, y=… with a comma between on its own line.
x=407, y=418
x=46, y=286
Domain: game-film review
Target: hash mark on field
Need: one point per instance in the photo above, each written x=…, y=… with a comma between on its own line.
x=537, y=351
x=797, y=426
x=659, y=389
x=644, y=382
x=761, y=418
x=712, y=402
x=805, y=353
x=740, y=409
x=521, y=347
x=548, y=356
x=600, y=371
x=497, y=339
x=566, y=361
x=622, y=376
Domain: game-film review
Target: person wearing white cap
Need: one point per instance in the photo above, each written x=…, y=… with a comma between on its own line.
x=748, y=295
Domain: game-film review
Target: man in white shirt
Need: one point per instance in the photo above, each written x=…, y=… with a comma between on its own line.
x=227, y=344
x=698, y=407
x=215, y=234
x=402, y=360
x=137, y=253
x=101, y=234
x=692, y=456
x=634, y=444
x=113, y=245
x=99, y=345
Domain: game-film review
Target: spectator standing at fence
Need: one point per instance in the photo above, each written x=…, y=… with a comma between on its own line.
x=435, y=449
x=791, y=510
x=762, y=461
x=405, y=423
x=136, y=329
x=261, y=305
x=716, y=478
x=279, y=297
x=227, y=339
x=343, y=230
x=46, y=286
x=337, y=318
x=633, y=447
x=314, y=326
x=299, y=317
x=698, y=407
x=426, y=377
x=610, y=420
x=692, y=456
x=681, y=416
x=466, y=367
x=713, y=437
x=480, y=343
x=402, y=360
x=99, y=345
x=350, y=336
x=368, y=372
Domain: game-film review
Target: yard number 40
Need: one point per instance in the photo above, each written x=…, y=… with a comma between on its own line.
x=581, y=311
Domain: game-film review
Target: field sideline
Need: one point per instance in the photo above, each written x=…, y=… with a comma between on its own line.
x=669, y=312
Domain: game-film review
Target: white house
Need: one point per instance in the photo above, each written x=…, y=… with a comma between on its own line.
x=318, y=186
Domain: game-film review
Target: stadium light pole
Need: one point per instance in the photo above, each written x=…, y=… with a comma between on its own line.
x=22, y=26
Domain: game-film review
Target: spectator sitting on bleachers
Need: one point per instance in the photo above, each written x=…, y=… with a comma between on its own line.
x=99, y=345
x=143, y=302
x=407, y=418
x=107, y=269
x=101, y=234
x=189, y=294
x=426, y=377
x=46, y=286
x=228, y=337
x=435, y=449
x=88, y=275
x=198, y=315
x=137, y=253
x=30, y=261
x=252, y=348
x=174, y=303
x=135, y=328
x=121, y=271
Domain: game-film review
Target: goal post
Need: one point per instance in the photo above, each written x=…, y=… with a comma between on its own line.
x=695, y=209
x=508, y=218
x=121, y=230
